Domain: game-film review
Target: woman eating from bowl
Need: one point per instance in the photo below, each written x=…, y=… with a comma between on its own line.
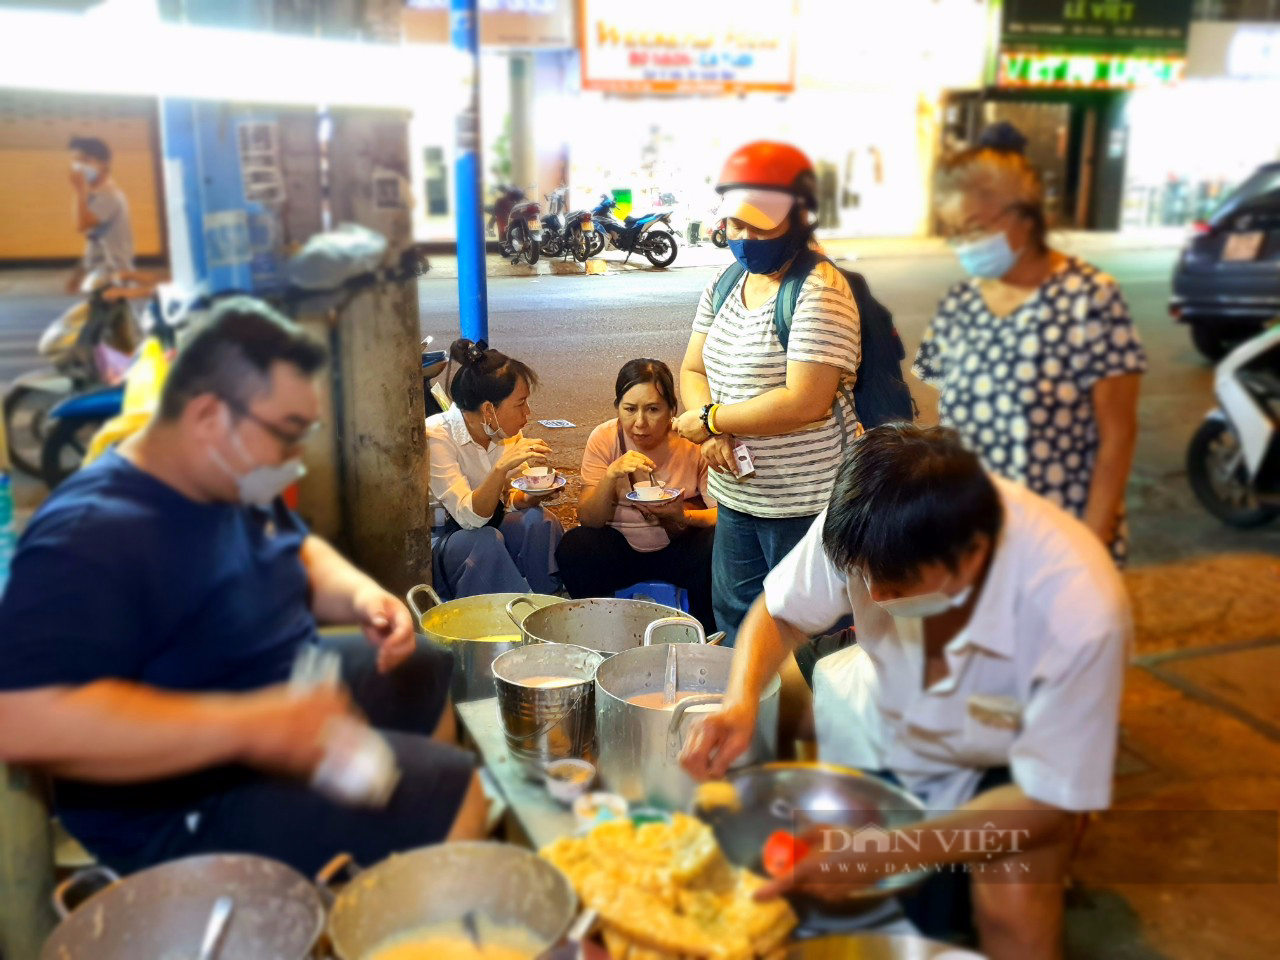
x=491, y=539
x=623, y=541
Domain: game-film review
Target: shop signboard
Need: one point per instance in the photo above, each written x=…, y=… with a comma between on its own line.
x=1086, y=71
x=1112, y=27
x=678, y=46
x=510, y=24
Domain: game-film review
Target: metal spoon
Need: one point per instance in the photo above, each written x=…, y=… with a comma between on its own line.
x=672, y=677
x=473, y=931
x=213, y=930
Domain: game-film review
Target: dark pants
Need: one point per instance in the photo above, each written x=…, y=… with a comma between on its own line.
x=598, y=562
x=942, y=906
x=746, y=549
x=288, y=821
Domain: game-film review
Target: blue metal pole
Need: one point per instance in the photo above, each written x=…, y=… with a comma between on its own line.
x=473, y=296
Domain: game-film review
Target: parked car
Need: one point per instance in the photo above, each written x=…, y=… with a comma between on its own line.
x=1226, y=285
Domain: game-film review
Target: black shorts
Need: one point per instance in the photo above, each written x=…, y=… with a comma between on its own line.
x=288, y=821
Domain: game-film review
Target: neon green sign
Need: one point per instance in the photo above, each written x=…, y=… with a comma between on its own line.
x=1088, y=71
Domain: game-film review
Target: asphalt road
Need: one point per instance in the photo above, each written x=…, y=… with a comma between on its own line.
x=576, y=331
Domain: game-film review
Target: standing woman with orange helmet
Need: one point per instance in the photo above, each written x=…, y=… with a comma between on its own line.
x=790, y=406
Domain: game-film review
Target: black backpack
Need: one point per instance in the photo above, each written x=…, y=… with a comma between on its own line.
x=880, y=394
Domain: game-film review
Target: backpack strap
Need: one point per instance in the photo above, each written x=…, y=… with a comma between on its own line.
x=784, y=311
x=724, y=286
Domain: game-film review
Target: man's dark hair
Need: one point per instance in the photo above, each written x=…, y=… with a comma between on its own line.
x=646, y=370
x=484, y=375
x=91, y=147
x=907, y=496
x=231, y=353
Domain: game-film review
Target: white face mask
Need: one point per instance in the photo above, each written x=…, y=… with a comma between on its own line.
x=259, y=486
x=89, y=173
x=495, y=432
x=922, y=605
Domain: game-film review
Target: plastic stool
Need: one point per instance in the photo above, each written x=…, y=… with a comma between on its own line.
x=657, y=591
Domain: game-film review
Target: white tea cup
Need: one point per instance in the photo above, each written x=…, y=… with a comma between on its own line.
x=540, y=478
x=651, y=491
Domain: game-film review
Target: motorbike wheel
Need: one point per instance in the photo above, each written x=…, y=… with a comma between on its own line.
x=65, y=447
x=660, y=248
x=581, y=246
x=595, y=243
x=26, y=411
x=552, y=244
x=1215, y=469
x=720, y=238
x=531, y=250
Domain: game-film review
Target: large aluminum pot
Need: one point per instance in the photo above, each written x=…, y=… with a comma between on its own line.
x=606, y=625
x=547, y=723
x=792, y=796
x=162, y=912
x=434, y=886
x=477, y=630
x=640, y=746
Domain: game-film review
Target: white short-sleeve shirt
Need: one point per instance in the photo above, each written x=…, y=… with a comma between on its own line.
x=1034, y=680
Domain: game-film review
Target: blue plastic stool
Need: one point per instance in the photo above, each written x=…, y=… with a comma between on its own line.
x=657, y=591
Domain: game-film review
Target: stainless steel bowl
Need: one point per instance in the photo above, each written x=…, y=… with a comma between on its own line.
x=875, y=946
x=504, y=884
x=797, y=796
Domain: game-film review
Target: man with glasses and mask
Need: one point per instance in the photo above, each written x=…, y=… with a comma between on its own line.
x=992, y=634
x=157, y=605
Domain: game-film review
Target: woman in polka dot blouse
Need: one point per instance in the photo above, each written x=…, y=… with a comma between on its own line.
x=1035, y=355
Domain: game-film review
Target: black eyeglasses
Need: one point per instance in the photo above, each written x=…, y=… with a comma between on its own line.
x=290, y=438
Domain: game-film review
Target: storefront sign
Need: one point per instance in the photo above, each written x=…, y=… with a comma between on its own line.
x=1088, y=72
x=1114, y=27
x=514, y=24
x=674, y=46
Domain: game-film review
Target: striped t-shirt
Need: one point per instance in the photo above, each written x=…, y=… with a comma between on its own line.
x=744, y=358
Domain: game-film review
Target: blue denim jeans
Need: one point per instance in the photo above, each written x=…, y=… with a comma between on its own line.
x=746, y=549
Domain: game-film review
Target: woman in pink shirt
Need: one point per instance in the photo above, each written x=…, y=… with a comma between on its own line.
x=620, y=543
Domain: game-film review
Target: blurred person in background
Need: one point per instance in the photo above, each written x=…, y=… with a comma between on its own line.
x=491, y=538
x=158, y=601
x=620, y=543
x=790, y=406
x=1035, y=355
x=101, y=212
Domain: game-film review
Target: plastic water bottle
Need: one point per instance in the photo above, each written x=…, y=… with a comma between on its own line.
x=8, y=538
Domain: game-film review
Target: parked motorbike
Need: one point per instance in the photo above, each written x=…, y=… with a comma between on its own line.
x=568, y=234
x=650, y=234
x=1233, y=461
x=517, y=222
x=84, y=347
x=720, y=235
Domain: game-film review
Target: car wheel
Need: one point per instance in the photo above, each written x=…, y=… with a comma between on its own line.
x=1216, y=471
x=1215, y=339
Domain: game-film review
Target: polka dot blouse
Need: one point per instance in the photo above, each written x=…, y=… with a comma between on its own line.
x=1019, y=387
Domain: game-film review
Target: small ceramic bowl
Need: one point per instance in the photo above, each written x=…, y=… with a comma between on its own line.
x=540, y=478
x=651, y=491
x=567, y=780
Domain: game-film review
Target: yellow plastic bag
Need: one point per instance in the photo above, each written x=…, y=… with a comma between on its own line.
x=142, y=390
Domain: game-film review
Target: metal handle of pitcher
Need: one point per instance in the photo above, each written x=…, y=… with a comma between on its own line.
x=685, y=623
x=674, y=741
x=431, y=595
x=103, y=876
x=549, y=725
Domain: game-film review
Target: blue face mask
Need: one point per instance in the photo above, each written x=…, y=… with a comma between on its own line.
x=765, y=256
x=989, y=257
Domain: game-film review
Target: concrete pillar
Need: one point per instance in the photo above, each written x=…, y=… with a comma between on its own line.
x=524, y=170
x=26, y=864
x=379, y=412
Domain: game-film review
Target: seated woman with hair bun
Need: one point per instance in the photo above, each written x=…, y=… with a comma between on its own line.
x=493, y=539
x=620, y=543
